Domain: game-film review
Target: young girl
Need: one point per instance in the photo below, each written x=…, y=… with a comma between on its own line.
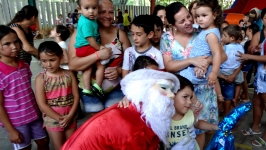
x=183, y=118
x=209, y=17
x=19, y=113
x=61, y=33
x=56, y=94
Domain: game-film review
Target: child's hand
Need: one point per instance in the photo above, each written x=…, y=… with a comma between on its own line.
x=101, y=47
x=199, y=73
x=64, y=121
x=212, y=78
x=105, y=53
x=15, y=136
x=123, y=103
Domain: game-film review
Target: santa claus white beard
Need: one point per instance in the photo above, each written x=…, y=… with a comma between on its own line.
x=158, y=111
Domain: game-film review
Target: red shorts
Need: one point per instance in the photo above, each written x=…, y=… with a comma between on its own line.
x=85, y=51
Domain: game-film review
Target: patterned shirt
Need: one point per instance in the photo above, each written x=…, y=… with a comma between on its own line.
x=19, y=99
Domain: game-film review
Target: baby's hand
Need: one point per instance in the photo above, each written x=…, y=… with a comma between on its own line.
x=123, y=103
x=212, y=78
x=101, y=47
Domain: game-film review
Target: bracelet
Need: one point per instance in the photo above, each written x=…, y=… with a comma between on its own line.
x=97, y=56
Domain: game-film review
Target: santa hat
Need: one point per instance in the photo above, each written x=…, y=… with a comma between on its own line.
x=147, y=75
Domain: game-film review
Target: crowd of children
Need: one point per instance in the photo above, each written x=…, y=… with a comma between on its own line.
x=56, y=87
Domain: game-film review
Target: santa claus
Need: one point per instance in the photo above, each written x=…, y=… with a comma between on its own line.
x=140, y=126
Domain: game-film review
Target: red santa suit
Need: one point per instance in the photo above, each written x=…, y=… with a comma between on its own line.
x=114, y=129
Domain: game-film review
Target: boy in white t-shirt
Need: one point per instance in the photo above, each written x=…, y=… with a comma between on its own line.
x=142, y=28
x=61, y=33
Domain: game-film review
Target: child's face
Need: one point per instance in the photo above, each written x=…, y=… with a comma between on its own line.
x=139, y=36
x=9, y=45
x=89, y=8
x=182, y=100
x=243, y=34
x=241, y=24
x=248, y=32
x=53, y=33
x=157, y=34
x=162, y=14
x=226, y=38
x=205, y=17
x=50, y=62
x=245, y=19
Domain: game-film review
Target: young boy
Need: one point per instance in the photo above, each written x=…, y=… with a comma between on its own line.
x=231, y=34
x=158, y=31
x=86, y=44
x=142, y=28
x=61, y=33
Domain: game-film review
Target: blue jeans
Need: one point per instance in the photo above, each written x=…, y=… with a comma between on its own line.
x=94, y=104
x=228, y=89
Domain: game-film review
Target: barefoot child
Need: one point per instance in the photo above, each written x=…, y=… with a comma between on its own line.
x=19, y=112
x=56, y=94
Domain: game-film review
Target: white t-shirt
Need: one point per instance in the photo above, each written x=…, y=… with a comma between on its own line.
x=69, y=19
x=63, y=45
x=131, y=54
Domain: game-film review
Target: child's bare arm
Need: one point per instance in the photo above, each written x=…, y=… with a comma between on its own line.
x=76, y=98
x=214, y=44
x=41, y=99
x=204, y=125
x=124, y=73
x=93, y=43
x=14, y=135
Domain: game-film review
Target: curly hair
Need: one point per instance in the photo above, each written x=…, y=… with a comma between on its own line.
x=191, y=6
x=216, y=9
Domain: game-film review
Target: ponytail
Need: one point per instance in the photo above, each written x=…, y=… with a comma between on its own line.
x=27, y=12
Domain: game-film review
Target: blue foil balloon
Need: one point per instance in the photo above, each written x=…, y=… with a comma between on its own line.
x=223, y=139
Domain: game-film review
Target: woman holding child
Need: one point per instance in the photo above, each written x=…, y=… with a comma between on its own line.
x=110, y=37
x=175, y=46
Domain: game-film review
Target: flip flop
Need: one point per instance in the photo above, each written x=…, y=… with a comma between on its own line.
x=249, y=132
x=258, y=142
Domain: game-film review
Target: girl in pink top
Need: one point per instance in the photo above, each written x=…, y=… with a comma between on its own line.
x=56, y=94
x=19, y=113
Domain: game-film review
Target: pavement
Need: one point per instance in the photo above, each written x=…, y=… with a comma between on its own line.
x=241, y=142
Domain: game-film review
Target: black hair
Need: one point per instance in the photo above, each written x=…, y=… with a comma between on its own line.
x=143, y=61
x=5, y=30
x=158, y=22
x=144, y=21
x=171, y=10
x=68, y=14
x=27, y=12
x=76, y=10
x=157, y=8
x=184, y=82
x=254, y=27
x=240, y=21
x=233, y=31
x=50, y=47
x=216, y=9
x=64, y=32
x=263, y=12
x=191, y=6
